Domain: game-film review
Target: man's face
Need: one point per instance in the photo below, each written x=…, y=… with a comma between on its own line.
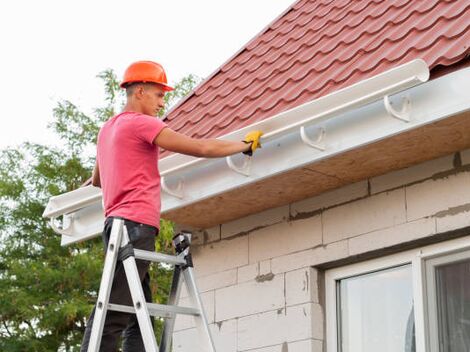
x=152, y=98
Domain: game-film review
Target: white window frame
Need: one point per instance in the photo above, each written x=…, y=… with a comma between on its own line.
x=431, y=303
x=421, y=259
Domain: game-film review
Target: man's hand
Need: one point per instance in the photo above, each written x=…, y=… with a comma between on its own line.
x=252, y=138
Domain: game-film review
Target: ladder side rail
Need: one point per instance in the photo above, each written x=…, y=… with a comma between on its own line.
x=138, y=298
x=201, y=320
x=105, y=285
x=173, y=299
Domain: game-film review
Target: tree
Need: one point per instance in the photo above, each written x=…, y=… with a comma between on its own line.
x=47, y=291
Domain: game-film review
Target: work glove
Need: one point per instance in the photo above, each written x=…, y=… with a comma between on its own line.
x=252, y=138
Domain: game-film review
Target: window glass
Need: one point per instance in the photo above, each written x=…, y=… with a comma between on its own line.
x=376, y=312
x=453, y=306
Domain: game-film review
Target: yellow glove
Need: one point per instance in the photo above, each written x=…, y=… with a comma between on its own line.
x=253, y=138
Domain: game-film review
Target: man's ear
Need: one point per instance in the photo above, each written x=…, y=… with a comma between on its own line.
x=139, y=92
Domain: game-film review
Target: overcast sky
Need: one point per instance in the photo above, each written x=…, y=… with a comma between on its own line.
x=53, y=49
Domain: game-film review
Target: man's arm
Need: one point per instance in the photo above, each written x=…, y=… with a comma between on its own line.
x=207, y=148
x=95, y=178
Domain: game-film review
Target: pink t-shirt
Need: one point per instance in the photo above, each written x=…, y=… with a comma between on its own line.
x=128, y=163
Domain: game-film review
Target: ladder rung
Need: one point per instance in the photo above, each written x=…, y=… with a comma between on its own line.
x=158, y=257
x=159, y=310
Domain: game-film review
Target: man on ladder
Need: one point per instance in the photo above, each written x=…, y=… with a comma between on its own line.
x=127, y=171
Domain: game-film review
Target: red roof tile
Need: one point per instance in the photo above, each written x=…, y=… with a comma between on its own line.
x=318, y=47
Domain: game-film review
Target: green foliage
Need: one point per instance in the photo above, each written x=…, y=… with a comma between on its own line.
x=42, y=302
x=47, y=291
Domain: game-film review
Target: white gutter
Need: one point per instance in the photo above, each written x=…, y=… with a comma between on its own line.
x=345, y=124
x=362, y=93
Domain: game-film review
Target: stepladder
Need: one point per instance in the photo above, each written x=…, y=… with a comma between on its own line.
x=120, y=249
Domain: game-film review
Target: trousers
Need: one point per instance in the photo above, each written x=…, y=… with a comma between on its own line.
x=141, y=236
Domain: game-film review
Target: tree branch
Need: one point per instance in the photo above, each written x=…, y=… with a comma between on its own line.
x=6, y=328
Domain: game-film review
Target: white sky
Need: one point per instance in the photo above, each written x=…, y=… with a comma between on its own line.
x=53, y=49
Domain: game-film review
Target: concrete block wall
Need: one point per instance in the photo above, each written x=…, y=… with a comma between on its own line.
x=261, y=277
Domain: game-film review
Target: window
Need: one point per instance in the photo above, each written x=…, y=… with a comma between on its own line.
x=448, y=288
x=376, y=312
x=418, y=300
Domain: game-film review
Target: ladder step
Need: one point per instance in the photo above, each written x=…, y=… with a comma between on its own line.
x=158, y=310
x=159, y=257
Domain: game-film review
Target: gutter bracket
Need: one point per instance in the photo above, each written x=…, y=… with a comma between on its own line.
x=404, y=113
x=319, y=144
x=61, y=231
x=176, y=192
x=244, y=169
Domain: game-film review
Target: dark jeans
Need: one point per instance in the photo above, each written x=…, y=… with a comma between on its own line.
x=142, y=237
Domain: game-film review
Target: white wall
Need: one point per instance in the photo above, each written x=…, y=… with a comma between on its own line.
x=258, y=274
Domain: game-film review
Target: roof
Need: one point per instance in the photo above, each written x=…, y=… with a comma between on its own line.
x=317, y=47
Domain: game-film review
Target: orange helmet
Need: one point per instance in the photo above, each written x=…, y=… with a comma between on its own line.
x=145, y=71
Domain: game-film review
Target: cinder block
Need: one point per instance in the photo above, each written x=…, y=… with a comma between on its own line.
x=306, y=346
x=185, y=321
x=217, y=280
x=249, y=298
x=249, y=223
x=309, y=345
x=276, y=348
x=277, y=327
x=292, y=261
x=220, y=256
x=301, y=286
x=377, y=212
x=318, y=321
x=213, y=281
x=248, y=272
x=201, y=237
x=411, y=174
x=434, y=196
x=187, y=341
x=392, y=236
x=223, y=333
x=265, y=267
x=284, y=238
x=331, y=198
x=330, y=252
x=453, y=220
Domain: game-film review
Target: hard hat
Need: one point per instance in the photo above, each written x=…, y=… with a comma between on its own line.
x=145, y=71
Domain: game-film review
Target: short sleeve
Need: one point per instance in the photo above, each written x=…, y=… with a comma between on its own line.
x=147, y=128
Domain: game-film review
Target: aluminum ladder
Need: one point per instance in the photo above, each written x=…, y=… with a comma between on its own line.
x=119, y=248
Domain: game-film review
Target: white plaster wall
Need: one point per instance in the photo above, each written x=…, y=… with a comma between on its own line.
x=257, y=274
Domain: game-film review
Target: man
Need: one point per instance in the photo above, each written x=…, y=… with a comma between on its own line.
x=126, y=169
